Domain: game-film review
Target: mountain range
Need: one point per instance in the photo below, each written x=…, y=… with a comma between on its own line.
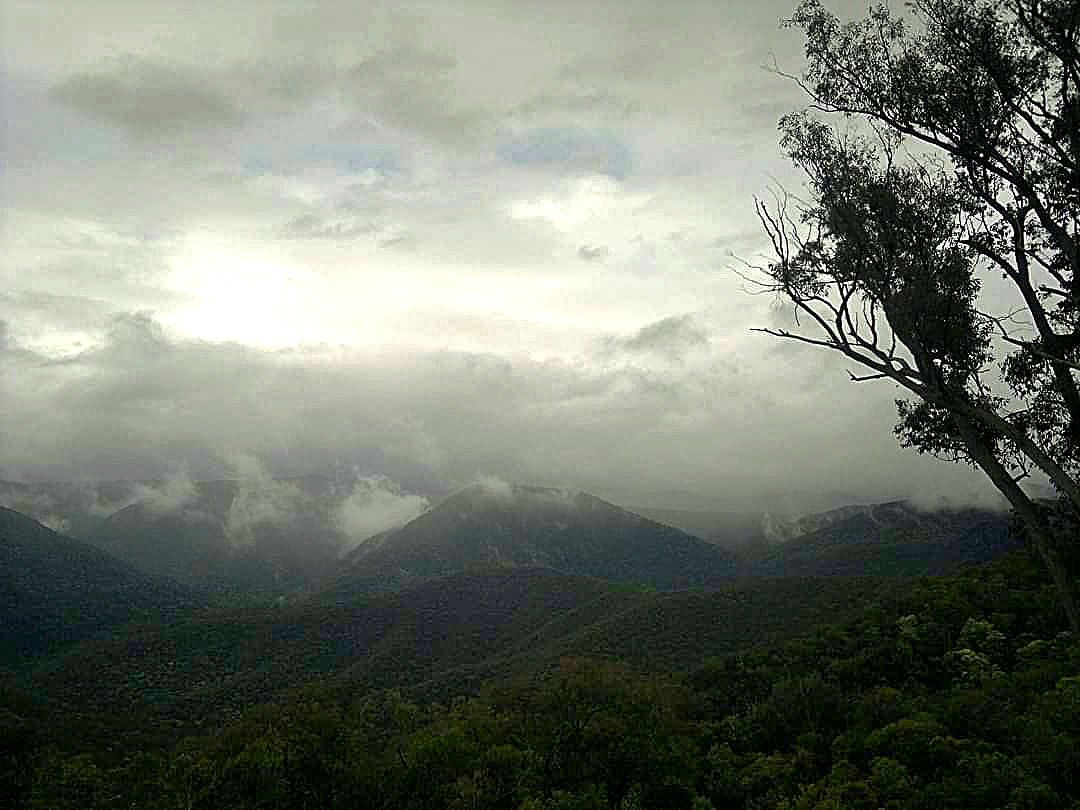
x=494, y=580
x=277, y=537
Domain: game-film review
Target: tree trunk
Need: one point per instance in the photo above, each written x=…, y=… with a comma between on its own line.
x=1039, y=530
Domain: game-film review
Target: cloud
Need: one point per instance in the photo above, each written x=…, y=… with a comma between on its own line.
x=170, y=496
x=603, y=105
x=146, y=402
x=495, y=490
x=568, y=151
x=42, y=506
x=408, y=87
x=561, y=497
x=310, y=226
x=67, y=506
x=974, y=498
x=674, y=333
x=427, y=241
x=670, y=338
x=260, y=500
x=148, y=99
x=374, y=505
x=491, y=486
x=57, y=523
x=592, y=253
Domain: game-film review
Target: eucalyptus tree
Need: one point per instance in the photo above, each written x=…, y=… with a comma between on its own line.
x=937, y=245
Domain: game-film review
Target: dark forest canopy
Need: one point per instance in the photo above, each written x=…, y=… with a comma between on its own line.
x=961, y=694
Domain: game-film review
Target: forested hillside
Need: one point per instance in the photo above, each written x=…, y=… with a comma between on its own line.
x=959, y=694
x=437, y=641
x=888, y=539
x=55, y=591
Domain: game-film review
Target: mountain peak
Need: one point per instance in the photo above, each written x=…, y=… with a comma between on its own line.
x=494, y=495
x=521, y=524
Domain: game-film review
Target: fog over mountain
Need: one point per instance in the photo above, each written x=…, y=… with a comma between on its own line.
x=505, y=524
x=422, y=244
x=250, y=532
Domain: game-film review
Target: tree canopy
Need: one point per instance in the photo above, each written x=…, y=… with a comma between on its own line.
x=961, y=693
x=942, y=151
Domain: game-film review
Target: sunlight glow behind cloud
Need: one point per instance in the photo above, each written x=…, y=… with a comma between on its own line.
x=492, y=238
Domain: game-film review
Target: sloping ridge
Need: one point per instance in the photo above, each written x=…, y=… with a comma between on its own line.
x=55, y=590
x=190, y=542
x=569, y=531
x=186, y=543
x=889, y=539
x=444, y=637
x=727, y=529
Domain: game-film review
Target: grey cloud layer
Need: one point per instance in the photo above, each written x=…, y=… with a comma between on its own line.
x=145, y=404
x=669, y=338
x=148, y=99
x=490, y=219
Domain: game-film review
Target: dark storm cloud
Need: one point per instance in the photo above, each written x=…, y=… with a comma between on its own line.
x=148, y=99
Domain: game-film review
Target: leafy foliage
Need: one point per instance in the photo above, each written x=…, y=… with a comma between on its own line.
x=959, y=162
x=962, y=693
x=438, y=640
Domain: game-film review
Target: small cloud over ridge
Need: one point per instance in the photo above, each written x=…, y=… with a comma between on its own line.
x=374, y=505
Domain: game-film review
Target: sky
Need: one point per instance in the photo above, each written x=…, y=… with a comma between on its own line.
x=424, y=242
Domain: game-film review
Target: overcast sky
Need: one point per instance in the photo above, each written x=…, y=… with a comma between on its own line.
x=428, y=242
